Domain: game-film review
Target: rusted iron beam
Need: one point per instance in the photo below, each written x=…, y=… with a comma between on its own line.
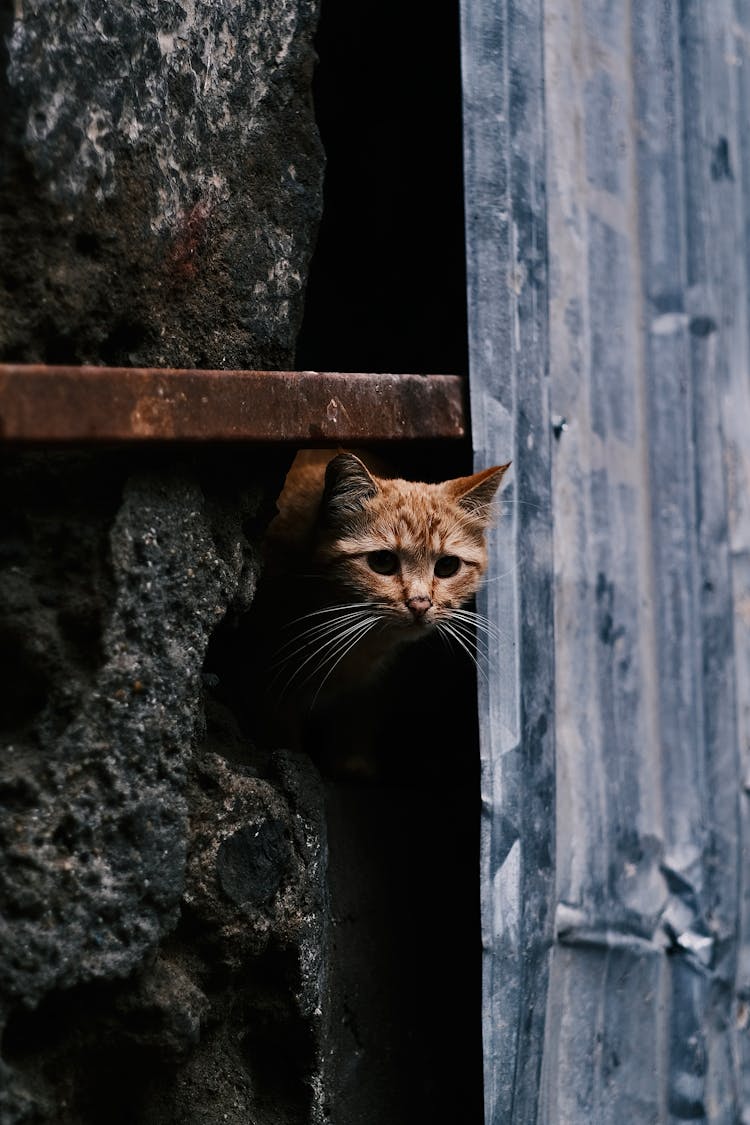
x=112, y=404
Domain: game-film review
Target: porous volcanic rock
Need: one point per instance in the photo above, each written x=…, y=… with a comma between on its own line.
x=160, y=181
x=162, y=891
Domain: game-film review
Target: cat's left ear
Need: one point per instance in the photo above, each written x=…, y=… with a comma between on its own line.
x=348, y=486
x=477, y=492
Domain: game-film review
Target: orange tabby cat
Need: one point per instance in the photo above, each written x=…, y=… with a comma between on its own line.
x=358, y=565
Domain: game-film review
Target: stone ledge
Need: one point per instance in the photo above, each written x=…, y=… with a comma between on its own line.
x=112, y=404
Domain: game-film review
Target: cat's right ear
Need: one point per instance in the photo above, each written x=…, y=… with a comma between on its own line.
x=348, y=487
x=475, y=494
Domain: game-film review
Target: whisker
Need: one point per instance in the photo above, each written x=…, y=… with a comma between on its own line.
x=526, y=504
x=343, y=637
x=489, y=638
x=320, y=643
x=325, y=644
x=443, y=639
x=334, y=646
x=321, y=629
x=480, y=644
x=483, y=638
x=475, y=615
x=480, y=622
x=505, y=574
x=349, y=647
x=457, y=637
x=477, y=622
x=327, y=609
x=481, y=647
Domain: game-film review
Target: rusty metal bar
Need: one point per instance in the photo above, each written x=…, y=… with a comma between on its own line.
x=100, y=404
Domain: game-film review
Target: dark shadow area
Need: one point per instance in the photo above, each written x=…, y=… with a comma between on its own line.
x=403, y=1027
x=115, y=1052
x=55, y=584
x=386, y=290
x=403, y=1038
x=82, y=1050
x=403, y=880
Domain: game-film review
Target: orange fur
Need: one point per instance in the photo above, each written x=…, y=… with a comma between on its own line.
x=342, y=522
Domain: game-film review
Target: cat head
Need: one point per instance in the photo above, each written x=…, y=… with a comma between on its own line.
x=417, y=552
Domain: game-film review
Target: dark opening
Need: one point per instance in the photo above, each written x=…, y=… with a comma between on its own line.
x=387, y=293
x=387, y=285
x=403, y=880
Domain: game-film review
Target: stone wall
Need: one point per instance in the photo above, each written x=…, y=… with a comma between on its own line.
x=162, y=888
x=160, y=176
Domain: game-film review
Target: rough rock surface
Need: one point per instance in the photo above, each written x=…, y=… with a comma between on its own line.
x=160, y=176
x=161, y=890
x=161, y=950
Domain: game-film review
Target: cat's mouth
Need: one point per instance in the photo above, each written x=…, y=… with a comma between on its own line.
x=413, y=624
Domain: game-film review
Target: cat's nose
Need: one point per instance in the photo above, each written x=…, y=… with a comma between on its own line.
x=419, y=605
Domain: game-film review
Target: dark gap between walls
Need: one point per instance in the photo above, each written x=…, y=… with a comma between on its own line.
x=386, y=292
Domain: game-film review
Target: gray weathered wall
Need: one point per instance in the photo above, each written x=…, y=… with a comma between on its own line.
x=608, y=143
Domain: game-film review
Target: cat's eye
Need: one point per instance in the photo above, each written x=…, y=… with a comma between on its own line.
x=446, y=566
x=383, y=562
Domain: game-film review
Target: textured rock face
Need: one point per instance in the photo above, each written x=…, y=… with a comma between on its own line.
x=160, y=181
x=97, y=842
x=161, y=891
x=161, y=888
